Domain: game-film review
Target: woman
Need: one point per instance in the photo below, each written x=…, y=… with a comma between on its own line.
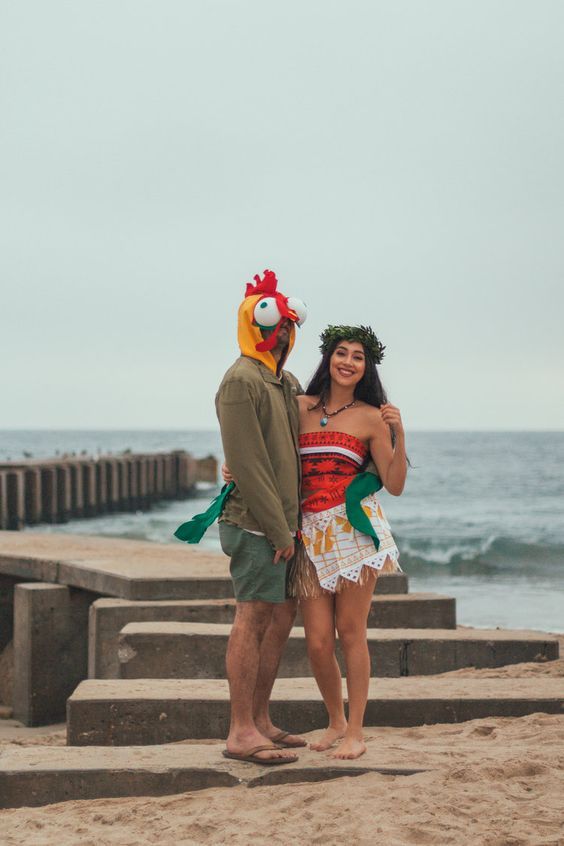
x=345, y=420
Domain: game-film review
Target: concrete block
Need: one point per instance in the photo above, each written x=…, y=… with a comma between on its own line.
x=391, y=583
x=50, y=650
x=197, y=650
x=477, y=648
x=28, y=567
x=412, y=611
x=109, y=616
x=147, y=712
x=136, y=570
x=44, y=775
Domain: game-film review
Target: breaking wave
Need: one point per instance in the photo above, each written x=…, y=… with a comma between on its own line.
x=495, y=554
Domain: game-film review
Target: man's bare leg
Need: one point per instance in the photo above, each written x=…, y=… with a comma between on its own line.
x=252, y=620
x=272, y=647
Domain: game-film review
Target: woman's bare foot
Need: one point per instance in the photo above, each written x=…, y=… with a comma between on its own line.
x=350, y=748
x=329, y=738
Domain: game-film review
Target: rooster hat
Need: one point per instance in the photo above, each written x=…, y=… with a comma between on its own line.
x=264, y=307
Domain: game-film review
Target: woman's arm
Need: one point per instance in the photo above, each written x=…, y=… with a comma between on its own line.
x=390, y=461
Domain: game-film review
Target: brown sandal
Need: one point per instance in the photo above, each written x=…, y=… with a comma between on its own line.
x=250, y=756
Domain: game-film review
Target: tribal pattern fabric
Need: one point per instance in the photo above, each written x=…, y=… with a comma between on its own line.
x=330, y=461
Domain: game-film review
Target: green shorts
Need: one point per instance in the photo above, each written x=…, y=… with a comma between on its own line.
x=253, y=572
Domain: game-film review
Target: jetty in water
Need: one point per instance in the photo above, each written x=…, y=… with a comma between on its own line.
x=54, y=490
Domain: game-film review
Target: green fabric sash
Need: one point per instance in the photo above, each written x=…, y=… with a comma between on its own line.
x=361, y=486
x=194, y=530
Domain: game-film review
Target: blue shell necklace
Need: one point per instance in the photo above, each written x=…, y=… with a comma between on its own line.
x=327, y=414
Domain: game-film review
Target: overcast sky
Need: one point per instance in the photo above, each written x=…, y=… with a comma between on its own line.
x=396, y=163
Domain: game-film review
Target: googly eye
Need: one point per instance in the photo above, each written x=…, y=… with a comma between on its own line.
x=266, y=313
x=300, y=308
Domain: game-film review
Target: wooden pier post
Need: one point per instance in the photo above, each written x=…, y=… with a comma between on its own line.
x=64, y=494
x=77, y=490
x=112, y=482
x=49, y=494
x=123, y=484
x=168, y=476
x=207, y=469
x=150, y=462
x=187, y=474
x=101, y=487
x=3, y=499
x=144, y=500
x=90, y=499
x=16, y=499
x=133, y=477
x=159, y=476
x=33, y=494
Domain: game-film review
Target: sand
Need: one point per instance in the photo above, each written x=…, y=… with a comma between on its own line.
x=496, y=782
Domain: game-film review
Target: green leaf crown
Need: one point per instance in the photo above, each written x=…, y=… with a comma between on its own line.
x=363, y=334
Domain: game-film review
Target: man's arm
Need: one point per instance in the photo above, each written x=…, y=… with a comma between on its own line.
x=249, y=462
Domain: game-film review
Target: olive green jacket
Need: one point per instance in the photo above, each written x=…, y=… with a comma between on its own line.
x=259, y=420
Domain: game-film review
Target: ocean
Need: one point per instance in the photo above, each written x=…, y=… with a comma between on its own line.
x=481, y=517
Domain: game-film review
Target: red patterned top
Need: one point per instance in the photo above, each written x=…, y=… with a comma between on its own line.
x=330, y=460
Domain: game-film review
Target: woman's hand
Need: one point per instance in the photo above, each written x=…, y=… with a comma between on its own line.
x=391, y=461
x=225, y=474
x=392, y=417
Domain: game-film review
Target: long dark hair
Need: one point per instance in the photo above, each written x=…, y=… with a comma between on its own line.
x=369, y=389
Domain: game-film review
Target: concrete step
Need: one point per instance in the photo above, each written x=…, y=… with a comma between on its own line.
x=109, y=616
x=145, y=712
x=197, y=650
x=129, y=569
x=43, y=775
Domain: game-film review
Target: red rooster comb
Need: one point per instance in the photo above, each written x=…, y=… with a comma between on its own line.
x=266, y=285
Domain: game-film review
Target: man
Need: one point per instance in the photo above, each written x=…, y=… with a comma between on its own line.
x=258, y=415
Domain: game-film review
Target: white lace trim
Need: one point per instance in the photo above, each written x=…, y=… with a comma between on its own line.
x=376, y=562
